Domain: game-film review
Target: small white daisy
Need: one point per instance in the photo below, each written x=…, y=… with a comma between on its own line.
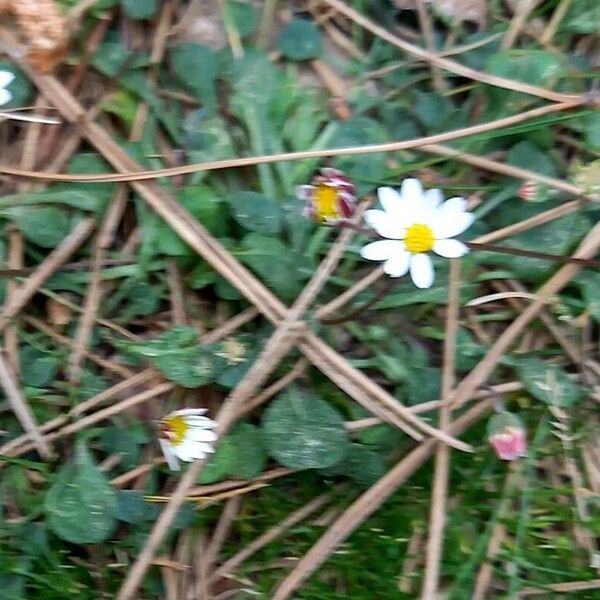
x=6, y=78
x=416, y=222
x=186, y=435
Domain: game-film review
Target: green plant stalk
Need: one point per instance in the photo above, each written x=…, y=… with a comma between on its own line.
x=524, y=517
x=265, y=175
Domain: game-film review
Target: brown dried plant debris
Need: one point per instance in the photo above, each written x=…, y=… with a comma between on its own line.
x=43, y=30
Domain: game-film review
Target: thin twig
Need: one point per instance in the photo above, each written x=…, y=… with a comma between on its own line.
x=437, y=519
x=54, y=260
x=22, y=411
x=368, y=503
x=136, y=174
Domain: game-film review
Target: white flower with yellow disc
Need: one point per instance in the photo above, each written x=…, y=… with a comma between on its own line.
x=416, y=222
x=186, y=435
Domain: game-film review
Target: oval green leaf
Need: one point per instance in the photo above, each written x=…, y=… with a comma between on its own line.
x=302, y=431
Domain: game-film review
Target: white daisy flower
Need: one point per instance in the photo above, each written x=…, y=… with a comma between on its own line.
x=416, y=222
x=6, y=78
x=186, y=435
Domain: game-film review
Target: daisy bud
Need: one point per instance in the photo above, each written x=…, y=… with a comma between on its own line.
x=534, y=191
x=330, y=197
x=186, y=435
x=507, y=436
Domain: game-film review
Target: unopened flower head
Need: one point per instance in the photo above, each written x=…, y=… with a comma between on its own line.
x=6, y=78
x=507, y=436
x=534, y=191
x=330, y=198
x=186, y=435
x=416, y=222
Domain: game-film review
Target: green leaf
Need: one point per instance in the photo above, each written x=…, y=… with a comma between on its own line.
x=361, y=463
x=302, y=431
x=38, y=368
x=528, y=156
x=111, y=58
x=535, y=67
x=140, y=9
x=220, y=463
x=244, y=18
x=133, y=508
x=254, y=80
x=178, y=355
x=204, y=205
x=583, y=16
x=278, y=264
x=548, y=383
x=255, y=212
x=557, y=237
x=196, y=67
x=300, y=40
x=81, y=505
x=82, y=199
x=45, y=226
x=365, y=170
x=250, y=455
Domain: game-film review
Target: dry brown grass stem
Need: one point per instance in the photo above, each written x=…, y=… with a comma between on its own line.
x=444, y=63
x=45, y=269
x=109, y=365
x=522, y=11
x=229, y=566
x=439, y=493
x=368, y=503
x=113, y=215
x=14, y=261
x=504, y=169
x=104, y=396
x=228, y=514
x=19, y=406
x=587, y=249
x=131, y=171
x=566, y=587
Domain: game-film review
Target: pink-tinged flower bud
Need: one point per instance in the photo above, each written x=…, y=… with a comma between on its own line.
x=534, y=191
x=330, y=198
x=507, y=436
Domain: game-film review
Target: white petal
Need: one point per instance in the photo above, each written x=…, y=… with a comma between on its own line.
x=450, y=248
x=412, y=190
x=204, y=448
x=390, y=199
x=421, y=270
x=185, y=451
x=433, y=198
x=398, y=265
x=448, y=225
x=189, y=411
x=382, y=250
x=5, y=96
x=391, y=227
x=198, y=434
x=169, y=455
x=455, y=203
x=304, y=192
x=200, y=422
x=6, y=78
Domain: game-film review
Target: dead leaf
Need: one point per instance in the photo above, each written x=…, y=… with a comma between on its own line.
x=43, y=29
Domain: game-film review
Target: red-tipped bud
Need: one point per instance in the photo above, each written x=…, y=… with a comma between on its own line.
x=507, y=436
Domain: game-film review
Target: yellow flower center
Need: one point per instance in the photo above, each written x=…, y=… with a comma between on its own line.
x=326, y=202
x=419, y=238
x=174, y=429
